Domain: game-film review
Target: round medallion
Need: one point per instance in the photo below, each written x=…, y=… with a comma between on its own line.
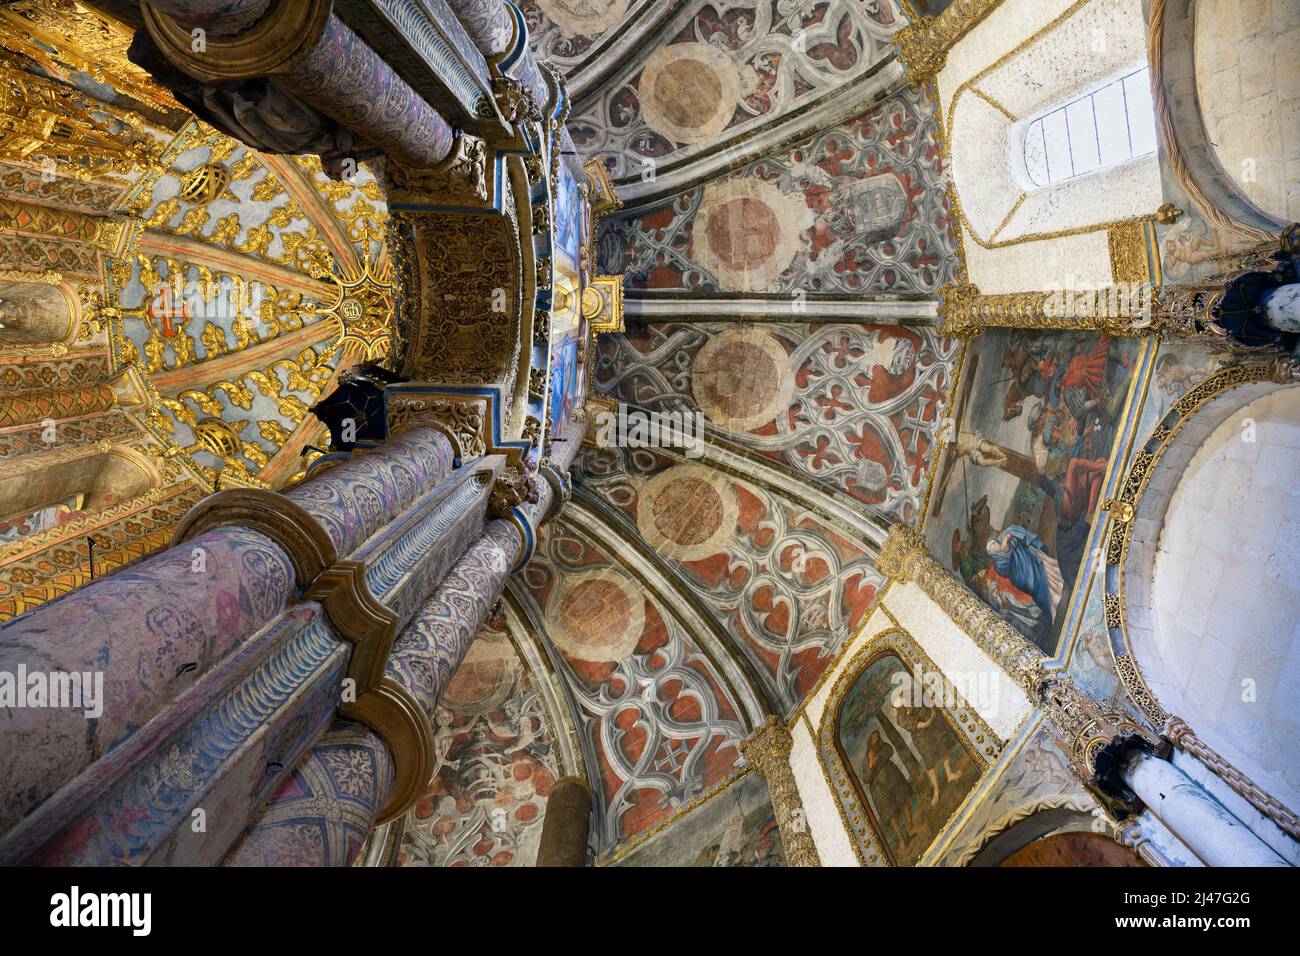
x=689, y=92
x=597, y=616
x=747, y=232
x=687, y=512
x=742, y=379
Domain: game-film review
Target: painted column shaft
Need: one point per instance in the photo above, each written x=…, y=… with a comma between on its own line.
x=348, y=81
x=491, y=25
x=218, y=17
x=425, y=656
x=359, y=498
x=1196, y=818
x=150, y=633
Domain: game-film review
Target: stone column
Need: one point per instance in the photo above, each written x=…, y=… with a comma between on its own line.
x=923, y=45
x=1114, y=757
x=567, y=825
x=306, y=50
x=224, y=657
x=424, y=657
x=767, y=750
x=1192, y=815
x=492, y=25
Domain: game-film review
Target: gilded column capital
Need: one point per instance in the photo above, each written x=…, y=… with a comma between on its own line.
x=274, y=43
x=1088, y=736
x=924, y=43
x=902, y=548
x=767, y=750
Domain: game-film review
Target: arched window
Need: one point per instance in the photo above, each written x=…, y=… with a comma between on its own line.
x=1112, y=125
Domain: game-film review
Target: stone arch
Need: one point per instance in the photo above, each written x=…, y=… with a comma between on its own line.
x=1177, y=79
x=1209, y=618
x=1014, y=837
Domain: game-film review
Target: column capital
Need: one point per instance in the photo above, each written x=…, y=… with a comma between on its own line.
x=924, y=43
x=767, y=745
x=768, y=751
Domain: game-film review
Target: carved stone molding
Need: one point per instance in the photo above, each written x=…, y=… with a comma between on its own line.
x=460, y=179
x=1119, y=542
x=359, y=617
x=393, y=713
x=289, y=525
x=464, y=421
x=768, y=751
x=1112, y=310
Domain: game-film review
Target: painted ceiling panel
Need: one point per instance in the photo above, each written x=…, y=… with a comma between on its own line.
x=860, y=209
x=726, y=66
x=787, y=589
x=495, y=764
x=658, y=723
x=854, y=408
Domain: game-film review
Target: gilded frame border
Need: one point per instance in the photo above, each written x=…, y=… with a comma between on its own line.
x=978, y=738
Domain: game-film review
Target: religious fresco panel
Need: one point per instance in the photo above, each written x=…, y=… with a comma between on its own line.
x=859, y=209
x=734, y=827
x=1016, y=495
x=902, y=750
x=855, y=408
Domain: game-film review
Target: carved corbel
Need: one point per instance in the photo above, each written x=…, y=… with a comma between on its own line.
x=515, y=486
x=460, y=179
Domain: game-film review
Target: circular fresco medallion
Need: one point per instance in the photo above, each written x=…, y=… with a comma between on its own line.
x=689, y=92
x=742, y=379
x=687, y=512
x=485, y=677
x=584, y=18
x=597, y=616
x=747, y=232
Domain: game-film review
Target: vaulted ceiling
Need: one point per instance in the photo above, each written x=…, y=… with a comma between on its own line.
x=784, y=228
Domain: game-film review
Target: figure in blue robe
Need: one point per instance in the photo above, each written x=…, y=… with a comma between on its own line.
x=1022, y=558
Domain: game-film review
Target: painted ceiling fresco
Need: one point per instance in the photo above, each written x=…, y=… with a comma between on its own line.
x=719, y=69
x=686, y=595
x=860, y=208
x=854, y=408
x=658, y=720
